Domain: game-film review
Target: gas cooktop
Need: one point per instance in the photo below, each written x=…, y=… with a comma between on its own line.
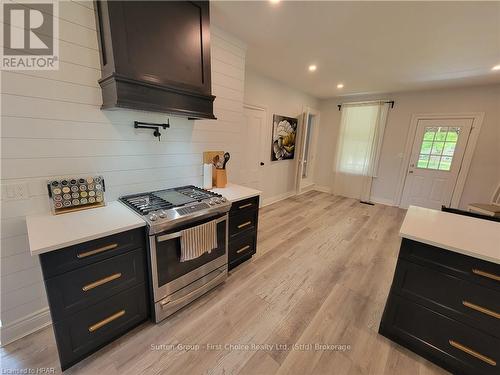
x=163, y=209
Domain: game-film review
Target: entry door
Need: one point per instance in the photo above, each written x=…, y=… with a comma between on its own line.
x=255, y=125
x=436, y=157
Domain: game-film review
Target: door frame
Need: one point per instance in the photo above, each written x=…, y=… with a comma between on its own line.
x=263, y=139
x=306, y=111
x=477, y=122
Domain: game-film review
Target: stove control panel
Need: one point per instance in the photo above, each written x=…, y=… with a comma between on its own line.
x=187, y=209
x=216, y=200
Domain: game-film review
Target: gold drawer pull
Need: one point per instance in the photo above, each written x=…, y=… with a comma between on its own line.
x=484, y=310
x=245, y=205
x=473, y=353
x=244, y=224
x=101, y=281
x=103, y=322
x=243, y=249
x=486, y=274
x=97, y=251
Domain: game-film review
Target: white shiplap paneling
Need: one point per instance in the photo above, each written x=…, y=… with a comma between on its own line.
x=52, y=126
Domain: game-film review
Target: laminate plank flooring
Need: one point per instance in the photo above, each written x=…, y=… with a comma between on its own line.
x=321, y=275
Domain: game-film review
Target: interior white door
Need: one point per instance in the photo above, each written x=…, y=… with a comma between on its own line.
x=435, y=161
x=252, y=164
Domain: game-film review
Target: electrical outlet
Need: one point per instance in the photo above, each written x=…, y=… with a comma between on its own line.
x=12, y=192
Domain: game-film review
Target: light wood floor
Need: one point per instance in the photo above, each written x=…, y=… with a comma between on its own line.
x=321, y=276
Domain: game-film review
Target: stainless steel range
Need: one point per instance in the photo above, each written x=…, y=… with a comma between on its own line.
x=168, y=213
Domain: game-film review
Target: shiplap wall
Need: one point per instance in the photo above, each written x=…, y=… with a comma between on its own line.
x=52, y=126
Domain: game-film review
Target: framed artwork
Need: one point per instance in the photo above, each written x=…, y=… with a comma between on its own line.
x=283, y=140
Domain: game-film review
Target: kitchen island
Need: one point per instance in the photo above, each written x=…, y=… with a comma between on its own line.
x=444, y=302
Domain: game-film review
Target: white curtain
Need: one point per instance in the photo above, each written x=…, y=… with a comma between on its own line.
x=360, y=139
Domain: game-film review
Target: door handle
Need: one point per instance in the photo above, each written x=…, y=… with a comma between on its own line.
x=109, y=319
x=170, y=236
x=261, y=163
x=96, y=251
x=244, y=224
x=410, y=172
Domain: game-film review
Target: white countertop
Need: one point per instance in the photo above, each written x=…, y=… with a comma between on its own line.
x=466, y=235
x=234, y=193
x=49, y=232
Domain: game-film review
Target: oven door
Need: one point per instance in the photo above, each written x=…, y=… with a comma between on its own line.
x=169, y=273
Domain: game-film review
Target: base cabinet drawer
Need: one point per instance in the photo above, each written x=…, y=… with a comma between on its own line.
x=455, y=346
x=470, y=303
x=72, y=257
x=243, y=223
x=244, y=205
x=243, y=247
x=72, y=291
x=88, y=330
x=465, y=267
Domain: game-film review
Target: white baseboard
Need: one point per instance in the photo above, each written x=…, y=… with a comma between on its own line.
x=26, y=325
x=307, y=188
x=323, y=188
x=385, y=201
x=277, y=198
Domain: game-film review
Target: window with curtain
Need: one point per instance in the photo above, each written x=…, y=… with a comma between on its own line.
x=360, y=138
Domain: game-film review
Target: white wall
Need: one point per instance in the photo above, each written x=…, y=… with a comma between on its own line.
x=277, y=98
x=484, y=174
x=52, y=126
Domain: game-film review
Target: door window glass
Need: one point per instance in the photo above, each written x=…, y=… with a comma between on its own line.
x=437, y=148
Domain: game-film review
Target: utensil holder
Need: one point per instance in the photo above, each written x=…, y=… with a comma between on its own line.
x=220, y=178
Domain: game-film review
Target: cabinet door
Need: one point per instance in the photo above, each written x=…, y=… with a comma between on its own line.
x=162, y=42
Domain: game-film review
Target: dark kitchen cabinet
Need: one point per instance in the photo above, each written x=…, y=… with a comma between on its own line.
x=243, y=221
x=97, y=291
x=155, y=55
x=445, y=307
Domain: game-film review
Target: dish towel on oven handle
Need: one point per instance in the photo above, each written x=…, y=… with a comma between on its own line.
x=198, y=240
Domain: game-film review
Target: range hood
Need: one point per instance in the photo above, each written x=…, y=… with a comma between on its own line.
x=155, y=56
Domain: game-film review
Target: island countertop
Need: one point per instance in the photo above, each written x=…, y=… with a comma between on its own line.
x=466, y=235
x=48, y=232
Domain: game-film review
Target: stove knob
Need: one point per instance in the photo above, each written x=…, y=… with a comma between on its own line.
x=223, y=199
x=153, y=217
x=163, y=214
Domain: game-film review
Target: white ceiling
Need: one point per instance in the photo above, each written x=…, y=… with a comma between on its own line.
x=370, y=47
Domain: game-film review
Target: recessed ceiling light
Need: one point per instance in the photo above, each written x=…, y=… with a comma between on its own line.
x=496, y=67
x=312, y=68
x=340, y=86
x=274, y=1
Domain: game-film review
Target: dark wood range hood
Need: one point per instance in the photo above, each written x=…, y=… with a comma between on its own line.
x=155, y=56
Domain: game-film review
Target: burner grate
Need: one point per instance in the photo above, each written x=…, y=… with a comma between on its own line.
x=146, y=203
x=196, y=193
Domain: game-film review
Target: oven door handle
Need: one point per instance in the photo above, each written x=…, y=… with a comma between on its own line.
x=167, y=302
x=170, y=236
